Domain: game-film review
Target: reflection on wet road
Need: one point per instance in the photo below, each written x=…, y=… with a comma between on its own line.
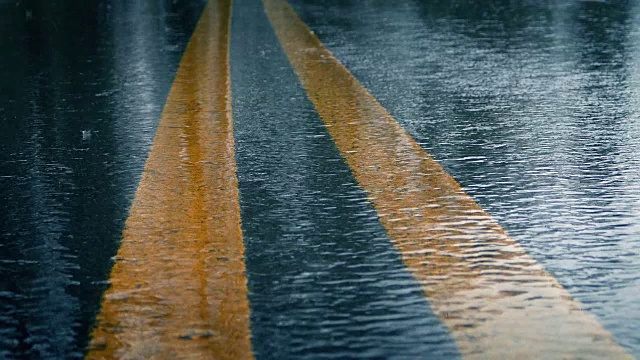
x=100, y=67
x=357, y=242
x=533, y=108
x=324, y=279
x=491, y=295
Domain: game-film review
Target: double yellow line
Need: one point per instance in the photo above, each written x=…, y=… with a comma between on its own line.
x=178, y=286
x=183, y=295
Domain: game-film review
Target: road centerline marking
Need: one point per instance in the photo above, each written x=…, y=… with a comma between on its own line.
x=496, y=300
x=178, y=285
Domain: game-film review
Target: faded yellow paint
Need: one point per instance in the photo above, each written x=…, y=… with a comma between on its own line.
x=496, y=300
x=178, y=286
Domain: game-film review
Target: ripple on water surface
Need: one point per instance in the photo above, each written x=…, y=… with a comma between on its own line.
x=533, y=108
x=82, y=91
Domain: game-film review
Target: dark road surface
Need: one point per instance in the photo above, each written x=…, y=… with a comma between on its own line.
x=531, y=106
x=99, y=67
x=313, y=241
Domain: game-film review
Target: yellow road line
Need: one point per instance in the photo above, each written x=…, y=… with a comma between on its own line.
x=178, y=286
x=497, y=301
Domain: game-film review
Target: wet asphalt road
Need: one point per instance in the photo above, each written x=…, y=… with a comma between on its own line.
x=313, y=241
x=71, y=67
x=532, y=107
